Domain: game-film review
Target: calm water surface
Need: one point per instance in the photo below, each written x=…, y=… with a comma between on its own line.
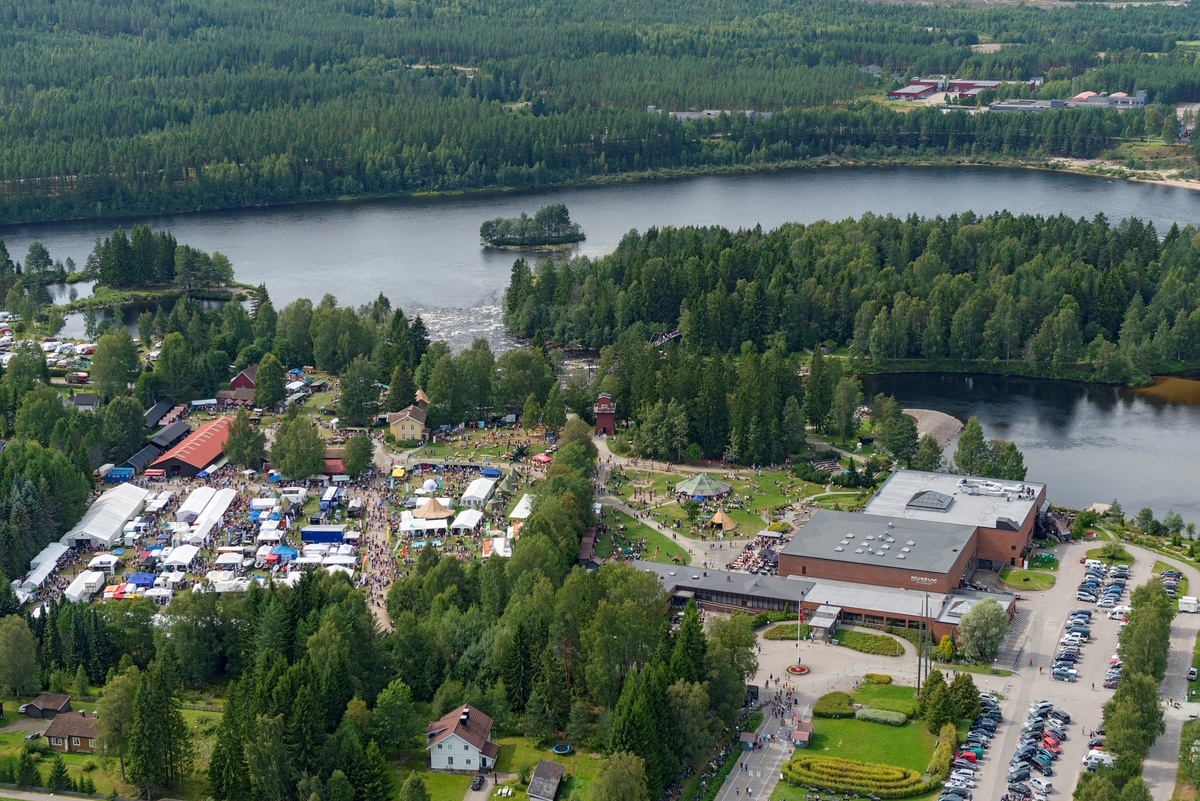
x=1090, y=443
x=424, y=253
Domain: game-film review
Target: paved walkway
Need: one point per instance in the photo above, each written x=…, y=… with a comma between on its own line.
x=757, y=772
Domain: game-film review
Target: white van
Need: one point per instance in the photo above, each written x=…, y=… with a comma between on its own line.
x=1096, y=758
x=1118, y=611
x=1094, y=563
x=1038, y=783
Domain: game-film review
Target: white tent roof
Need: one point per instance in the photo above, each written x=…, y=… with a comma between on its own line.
x=268, y=536
x=524, y=508
x=38, y=577
x=103, y=561
x=50, y=553
x=107, y=517
x=229, y=558
x=337, y=559
x=182, y=556
x=478, y=491
x=339, y=569
x=194, y=505
x=467, y=519
x=84, y=586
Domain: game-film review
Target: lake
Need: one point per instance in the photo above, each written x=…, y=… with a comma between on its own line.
x=1089, y=443
x=424, y=253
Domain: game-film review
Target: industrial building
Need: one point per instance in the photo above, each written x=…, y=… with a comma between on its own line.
x=920, y=531
x=197, y=451
x=825, y=603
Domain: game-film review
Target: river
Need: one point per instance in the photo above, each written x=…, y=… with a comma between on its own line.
x=1089, y=443
x=424, y=253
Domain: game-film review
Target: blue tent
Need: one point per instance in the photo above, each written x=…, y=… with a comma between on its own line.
x=202, y=474
x=700, y=498
x=490, y=472
x=272, y=479
x=285, y=553
x=255, y=514
x=142, y=579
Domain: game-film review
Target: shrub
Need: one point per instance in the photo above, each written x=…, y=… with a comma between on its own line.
x=877, y=678
x=779, y=526
x=906, y=708
x=878, y=644
x=806, y=472
x=834, y=705
x=786, y=631
x=844, y=775
x=884, y=716
x=763, y=618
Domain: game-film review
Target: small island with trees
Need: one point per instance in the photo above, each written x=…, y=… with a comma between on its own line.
x=551, y=226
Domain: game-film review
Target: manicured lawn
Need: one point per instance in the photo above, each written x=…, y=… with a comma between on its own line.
x=868, y=692
x=1043, y=561
x=879, y=644
x=786, y=631
x=581, y=768
x=907, y=746
x=441, y=786
x=984, y=669
x=1182, y=589
x=1026, y=579
x=659, y=548
x=1094, y=553
x=785, y=792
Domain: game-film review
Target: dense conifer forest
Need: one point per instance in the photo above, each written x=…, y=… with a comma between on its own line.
x=134, y=106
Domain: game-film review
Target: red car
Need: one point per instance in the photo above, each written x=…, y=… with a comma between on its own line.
x=1054, y=749
x=1112, y=684
x=1049, y=740
x=967, y=755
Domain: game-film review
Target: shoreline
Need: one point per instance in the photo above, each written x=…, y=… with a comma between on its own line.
x=1082, y=167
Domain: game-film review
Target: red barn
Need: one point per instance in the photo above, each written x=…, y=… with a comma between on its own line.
x=245, y=379
x=605, y=410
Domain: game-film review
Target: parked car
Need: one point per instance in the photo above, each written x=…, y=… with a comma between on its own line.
x=477, y=783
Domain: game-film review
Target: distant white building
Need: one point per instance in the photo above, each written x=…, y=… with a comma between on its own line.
x=461, y=740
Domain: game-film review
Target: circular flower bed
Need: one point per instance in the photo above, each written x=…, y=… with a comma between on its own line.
x=797, y=670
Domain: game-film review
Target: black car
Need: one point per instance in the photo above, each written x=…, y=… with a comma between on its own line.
x=1019, y=787
x=1018, y=775
x=477, y=783
x=1062, y=715
x=962, y=763
x=1059, y=734
x=1095, y=742
x=1042, y=768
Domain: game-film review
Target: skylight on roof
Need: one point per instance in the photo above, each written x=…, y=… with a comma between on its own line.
x=930, y=500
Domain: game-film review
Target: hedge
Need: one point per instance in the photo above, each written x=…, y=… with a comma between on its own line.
x=884, y=716
x=834, y=705
x=786, y=631
x=906, y=708
x=878, y=644
x=763, y=618
x=884, y=781
x=877, y=678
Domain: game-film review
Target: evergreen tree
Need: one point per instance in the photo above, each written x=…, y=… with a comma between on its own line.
x=929, y=455
x=531, y=414
x=413, y=788
x=690, y=652
x=964, y=697
x=246, y=445
x=228, y=773
x=27, y=772
x=58, y=781
x=902, y=441
x=401, y=390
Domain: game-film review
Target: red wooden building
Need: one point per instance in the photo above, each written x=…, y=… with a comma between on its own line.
x=605, y=410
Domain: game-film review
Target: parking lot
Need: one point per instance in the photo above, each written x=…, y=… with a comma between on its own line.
x=1049, y=611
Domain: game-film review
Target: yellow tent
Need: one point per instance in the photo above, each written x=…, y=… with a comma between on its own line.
x=432, y=510
x=723, y=520
x=397, y=472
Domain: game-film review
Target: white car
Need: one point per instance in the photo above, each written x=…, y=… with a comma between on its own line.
x=1071, y=639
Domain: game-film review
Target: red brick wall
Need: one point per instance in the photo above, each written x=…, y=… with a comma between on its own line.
x=1003, y=546
x=877, y=575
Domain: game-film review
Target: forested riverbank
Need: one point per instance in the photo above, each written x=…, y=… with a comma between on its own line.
x=229, y=106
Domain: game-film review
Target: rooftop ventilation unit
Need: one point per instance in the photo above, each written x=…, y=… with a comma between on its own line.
x=889, y=524
x=858, y=550
x=870, y=537
x=905, y=550
x=910, y=543
x=849, y=536
x=899, y=556
x=844, y=542
x=884, y=547
x=839, y=549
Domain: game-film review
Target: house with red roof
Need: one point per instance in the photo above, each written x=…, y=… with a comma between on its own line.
x=461, y=740
x=197, y=451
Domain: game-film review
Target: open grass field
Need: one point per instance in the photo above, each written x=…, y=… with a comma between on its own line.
x=1026, y=579
x=659, y=548
x=907, y=746
x=476, y=444
x=516, y=752
x=868, y=692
